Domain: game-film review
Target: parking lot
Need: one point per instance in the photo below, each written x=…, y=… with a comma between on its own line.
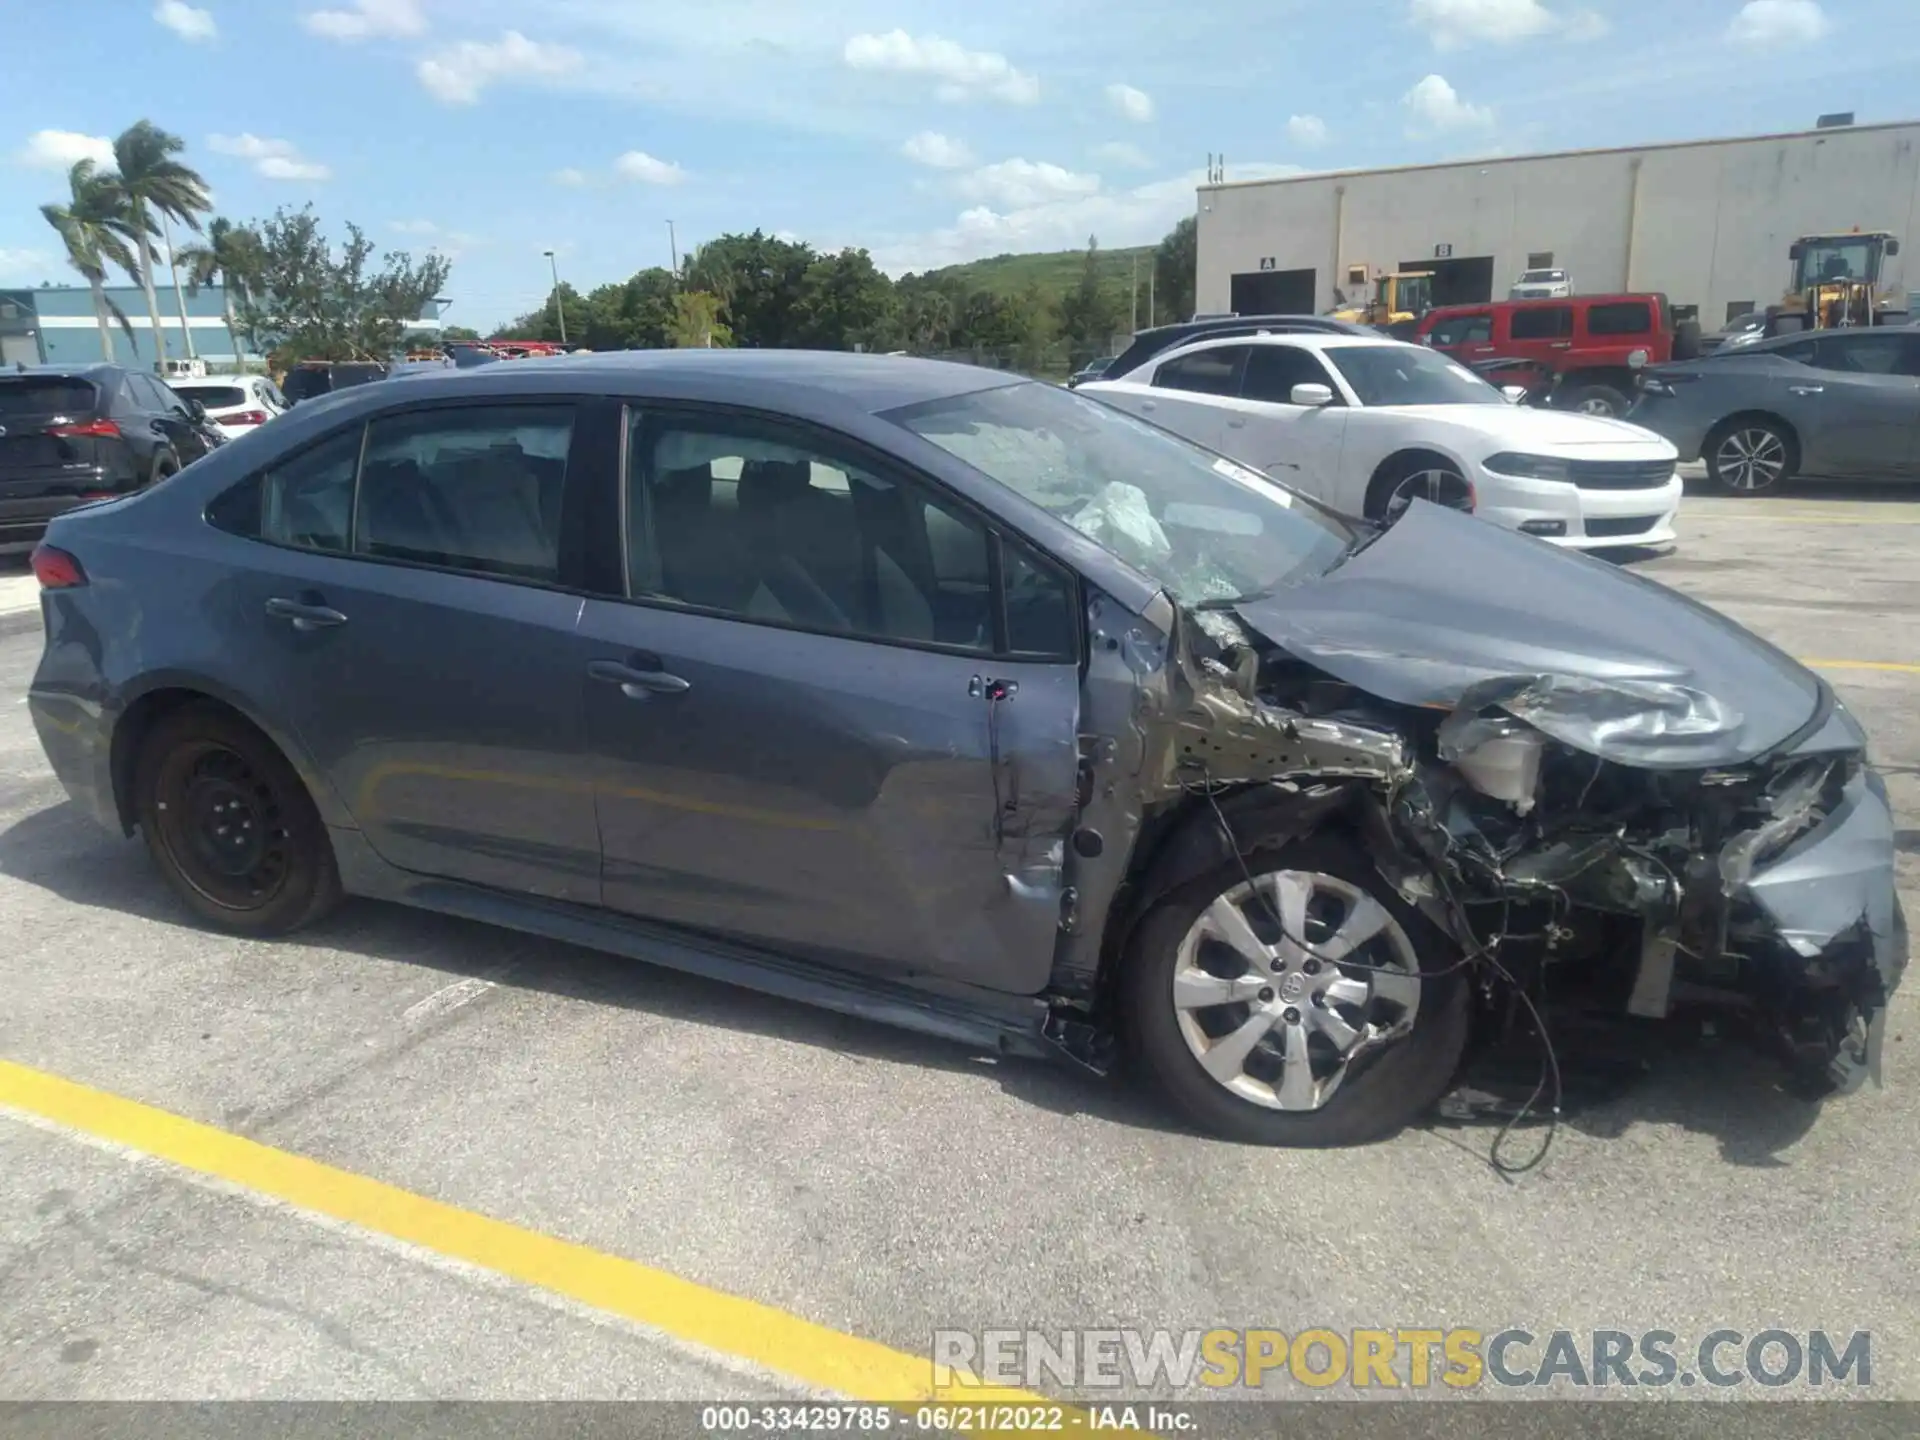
x=475, y=1098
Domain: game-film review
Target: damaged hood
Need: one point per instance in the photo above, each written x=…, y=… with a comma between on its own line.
x=1444, y=607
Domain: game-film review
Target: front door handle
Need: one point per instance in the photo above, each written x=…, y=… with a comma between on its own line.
x=1237, y=423
x=1806, y=389
x=635, y=683
x=1561, y=345
x=305, y=614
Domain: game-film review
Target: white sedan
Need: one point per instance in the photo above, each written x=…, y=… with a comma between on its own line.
x=1367, y=425
x=235, y=404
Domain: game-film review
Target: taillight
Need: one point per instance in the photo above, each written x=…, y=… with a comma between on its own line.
x=56, y=569
x=98, y=429
x=245, y=417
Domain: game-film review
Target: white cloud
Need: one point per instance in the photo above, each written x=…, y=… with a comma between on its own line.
x=1127, y=157
x=570, y=176
x=60, y=149
x=1434, y=107
x=638, y=165
x=450, y=243
x=1306, y=130
x=964, y=73
x=1762, y=24
x=1454, y=24
x=363, y=19
x=1135, y=216
x=1021, y=183
x=185, y=21
x=1134, y=104
x=23, y=267
x=272, y=159
x=459, y=73
x=938, y=151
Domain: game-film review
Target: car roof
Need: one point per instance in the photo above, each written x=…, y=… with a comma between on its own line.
x=1302, y=341
x=92, y=371
x=1479, y=305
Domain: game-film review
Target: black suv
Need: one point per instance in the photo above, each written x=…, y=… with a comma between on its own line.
x=1149, y=343
x=70, y=434
x=313, y=378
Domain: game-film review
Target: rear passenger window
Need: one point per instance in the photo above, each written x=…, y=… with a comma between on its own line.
x=472, y=490
x=1622, y=317
x=1205, y=372
x=1544, y=322
x=305, y=501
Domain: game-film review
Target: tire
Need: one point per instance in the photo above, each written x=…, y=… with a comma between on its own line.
x=203, y=774
x=1379, y=1092
x=1686, y=340
x=1749, y=456
x=163, y=466
x=1602, y=400
x=1405, y=476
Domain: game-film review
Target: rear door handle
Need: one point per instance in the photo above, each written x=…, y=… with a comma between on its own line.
x=1561, y=345
x=636, y=683
x=1806, y=389
x=305, y=614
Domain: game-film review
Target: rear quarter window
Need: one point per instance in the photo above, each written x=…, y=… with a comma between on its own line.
x=32, y=395
x=1624, y=317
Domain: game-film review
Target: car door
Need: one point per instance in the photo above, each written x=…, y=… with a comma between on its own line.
x=1540, y=333
x=1184, y=392
x=1856, y=406
x=1299, y=444
x=835, y=713
x=411, y=613
x=1466, y=335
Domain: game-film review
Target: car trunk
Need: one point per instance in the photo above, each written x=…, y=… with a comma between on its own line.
x=36, y=458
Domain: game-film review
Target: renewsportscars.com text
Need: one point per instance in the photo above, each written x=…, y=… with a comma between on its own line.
x=1402, y=1358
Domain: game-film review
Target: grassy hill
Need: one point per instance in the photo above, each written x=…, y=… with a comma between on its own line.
x=1057, y=272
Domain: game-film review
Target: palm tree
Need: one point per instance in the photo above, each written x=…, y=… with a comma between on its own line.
x=95, y=227
x=154, y=182
x=231, y=256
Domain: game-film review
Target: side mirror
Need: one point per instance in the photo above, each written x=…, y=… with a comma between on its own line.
x=197, y=410
x=1893, y=248
x=1794, y=252
x=1311, y=395
x=1516, y=394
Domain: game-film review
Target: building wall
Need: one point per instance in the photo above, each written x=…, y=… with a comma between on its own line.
x=1708, y=223
x=59, y=321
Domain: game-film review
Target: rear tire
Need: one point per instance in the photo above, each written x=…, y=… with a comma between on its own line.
x=1750, y=456
x=230, y=824
x=163, y=466
x=1599, y=400
x=1686, y=340
x=1404, y=1022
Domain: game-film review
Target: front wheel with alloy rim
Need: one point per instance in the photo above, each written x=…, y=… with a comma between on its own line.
x=1309, y=1006
x=1599, y=400
x=231, y=825
x=1417, y=477
x=1751, y=457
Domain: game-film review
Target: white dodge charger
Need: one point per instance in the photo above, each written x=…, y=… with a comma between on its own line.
x=1367, y=425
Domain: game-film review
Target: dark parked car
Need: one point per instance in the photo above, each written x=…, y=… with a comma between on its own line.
x=1828, y=403
x=1092, y=370
x=313, y=378
x=69, y=435
x=1148, y=343
x=966, y=703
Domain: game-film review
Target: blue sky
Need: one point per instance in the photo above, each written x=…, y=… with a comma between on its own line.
x=496, y=129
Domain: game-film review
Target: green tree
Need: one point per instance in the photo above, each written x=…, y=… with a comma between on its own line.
x=846, y=303
x=96, y=228
x=1034, y=327
x=317, y=304
x=231, y=256
x=759, y=280
x=459, y=332
x=155, y=184
x=1176, y=262
x=1088, y=316
x=697, y=323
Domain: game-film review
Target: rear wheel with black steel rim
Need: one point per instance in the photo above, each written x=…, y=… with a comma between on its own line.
x=1309, y=1006
x=1751, y=456
x=231, y=825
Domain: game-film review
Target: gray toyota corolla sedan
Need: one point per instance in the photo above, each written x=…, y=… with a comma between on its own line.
x=966, y=703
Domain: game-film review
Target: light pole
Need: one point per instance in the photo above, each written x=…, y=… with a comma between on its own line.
x=673, y=248
x=559, y=302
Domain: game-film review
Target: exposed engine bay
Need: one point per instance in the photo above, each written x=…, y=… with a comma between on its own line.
x=1685, y=822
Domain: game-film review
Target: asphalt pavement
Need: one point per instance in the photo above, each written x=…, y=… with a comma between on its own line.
x=840, y=1185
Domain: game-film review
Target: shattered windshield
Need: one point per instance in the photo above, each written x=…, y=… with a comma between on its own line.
x=1195, y=522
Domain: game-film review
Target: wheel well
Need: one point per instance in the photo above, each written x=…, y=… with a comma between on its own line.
x=1390, y=467
x=130, y=733
x=1741, y=417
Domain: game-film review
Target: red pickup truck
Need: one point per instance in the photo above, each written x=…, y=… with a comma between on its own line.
x=1583, y=353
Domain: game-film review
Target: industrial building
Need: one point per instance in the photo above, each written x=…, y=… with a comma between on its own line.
x=55, y=325
x=1706, y=222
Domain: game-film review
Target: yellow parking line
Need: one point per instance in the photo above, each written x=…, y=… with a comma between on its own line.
x=814, y=1355
x=1790, y=519
x=1899, y=665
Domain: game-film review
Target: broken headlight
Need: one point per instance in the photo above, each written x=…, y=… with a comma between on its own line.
x=1792, y=802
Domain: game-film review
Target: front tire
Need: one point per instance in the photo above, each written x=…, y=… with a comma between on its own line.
x=1751, y=457
x=1602, y=401
x=1258, y=1038
x=1407, y=478
x=230, y=824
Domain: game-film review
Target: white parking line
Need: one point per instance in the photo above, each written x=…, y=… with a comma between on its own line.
x=447, y=998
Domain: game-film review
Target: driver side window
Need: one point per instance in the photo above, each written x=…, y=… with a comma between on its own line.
x=1273, y=371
